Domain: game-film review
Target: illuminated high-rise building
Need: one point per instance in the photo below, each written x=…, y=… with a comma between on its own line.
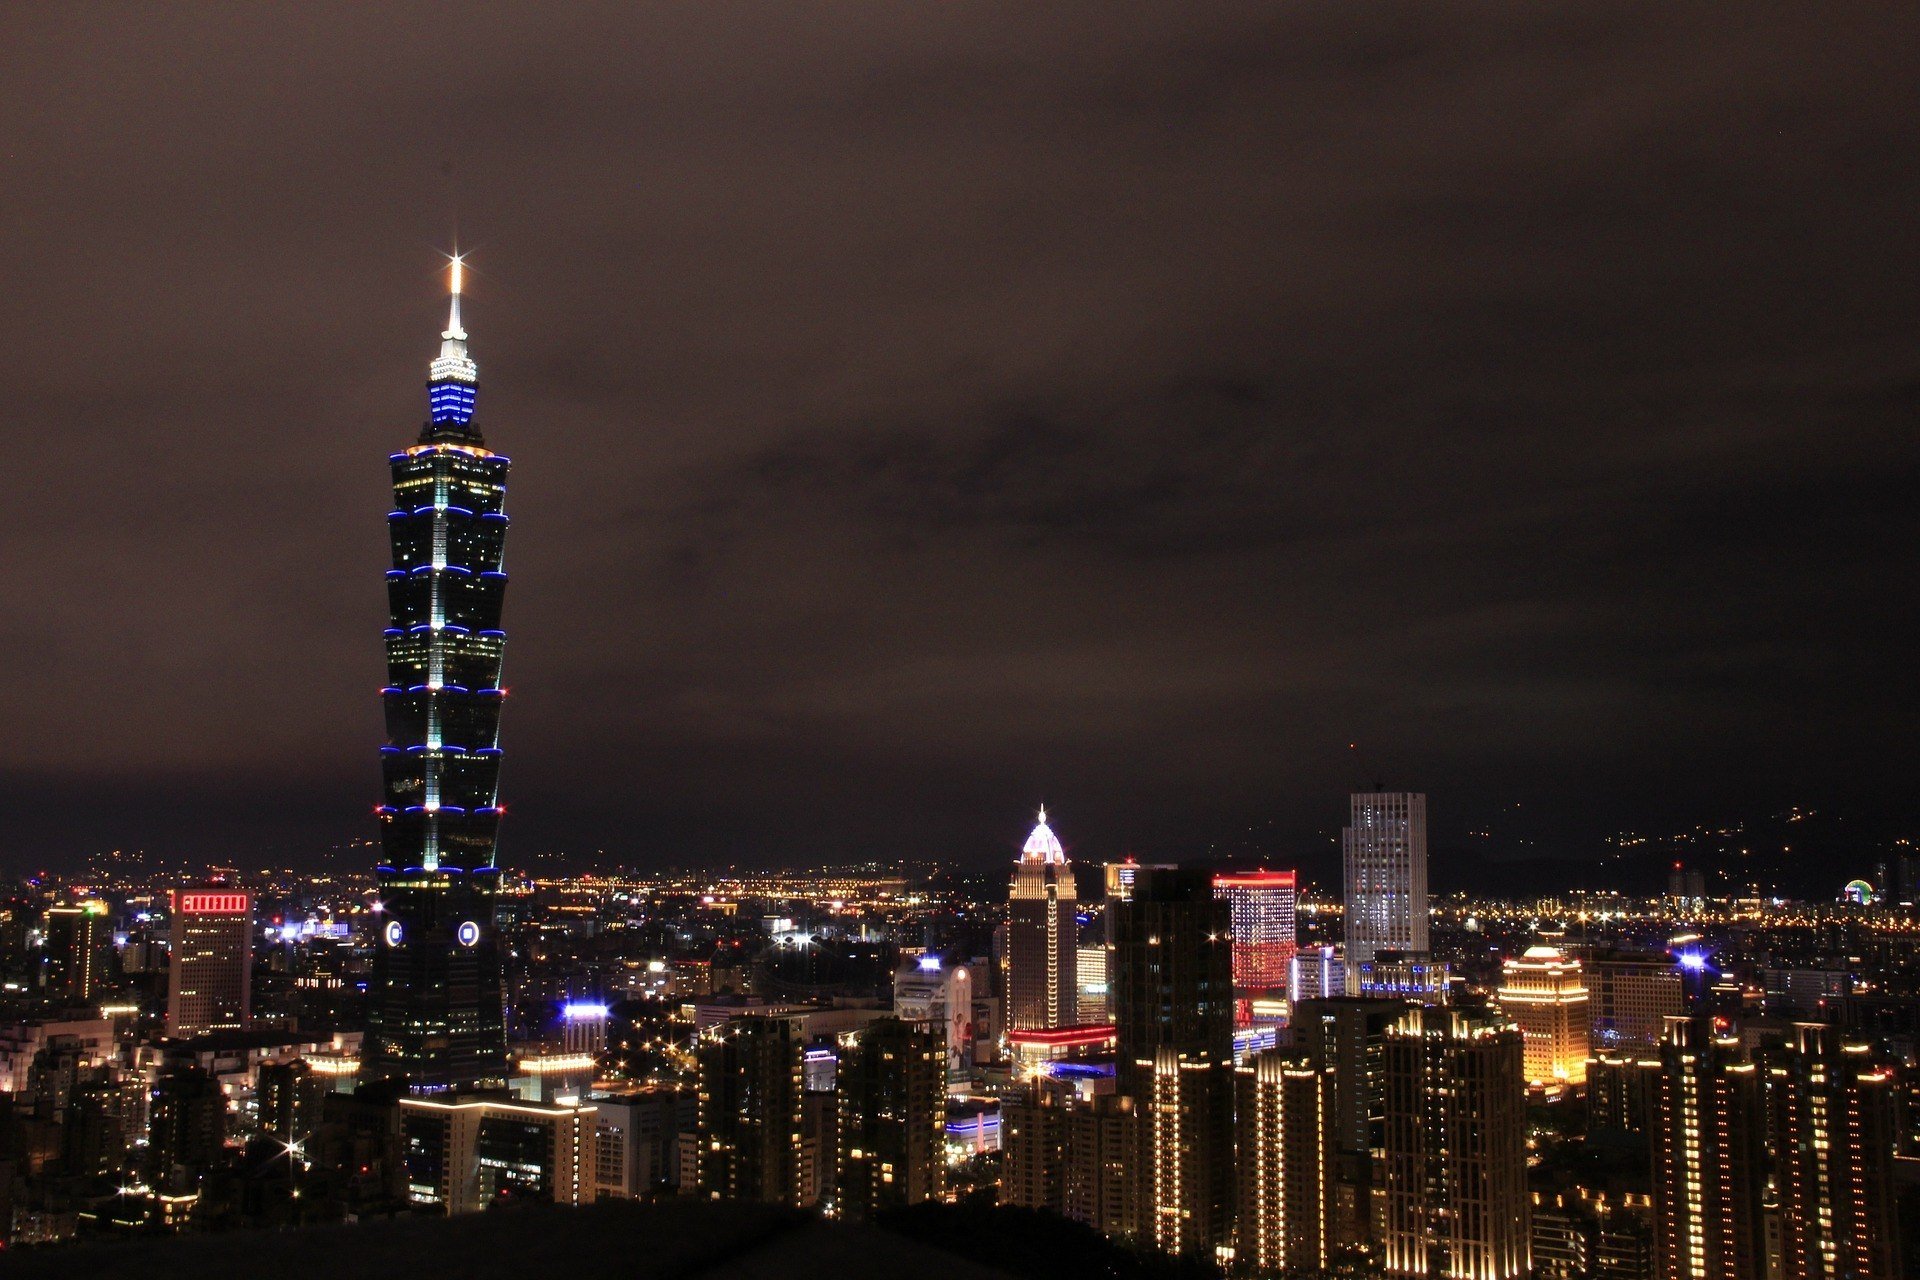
x=1346, y=1038
x=1284, y=1120
x=1033, y=1139
x=1620, y=1100
x=892, y=1082
x=1317, y=973
x=1072, y=1151
x=463, y=1155
x=1544, y=993
x=1384, y=847
x=1455, y=1152
x=1709, y=1157
x=74, y=945
x=1631, y=994
x=210, y=973
x=1261, y=906
x=1398, y=975
x=1042, y=937
x=1833, y=1127
x=933, y=991
x=1091, y=963
x=288, y=1096
x=1172, y=1000
x=1119, y=877
x=751, y=1103
x=435, y=1014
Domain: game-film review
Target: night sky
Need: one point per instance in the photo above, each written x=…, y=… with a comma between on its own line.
x=920, y=412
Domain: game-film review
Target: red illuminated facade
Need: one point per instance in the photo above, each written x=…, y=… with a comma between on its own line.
x=1262, y=905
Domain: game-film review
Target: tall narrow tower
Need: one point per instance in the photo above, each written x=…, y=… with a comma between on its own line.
x=1042, y=938
x=436, y=1018
x=1385, y=846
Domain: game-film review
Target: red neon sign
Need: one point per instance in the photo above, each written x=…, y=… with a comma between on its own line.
x=212, y=904
x=1085, y=1035
x=1254, y=880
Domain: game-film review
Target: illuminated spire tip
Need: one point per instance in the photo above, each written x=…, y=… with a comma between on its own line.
x=1043, y=845
x=454, y=330
x=451, y=377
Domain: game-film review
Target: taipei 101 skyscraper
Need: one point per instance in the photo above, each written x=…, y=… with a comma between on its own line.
x=436, y=1018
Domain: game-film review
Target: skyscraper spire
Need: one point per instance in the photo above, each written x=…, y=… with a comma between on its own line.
x=454, y=331
x=451, y=378
x=1042, y=940
x=435, y=1015
x=1043, y=845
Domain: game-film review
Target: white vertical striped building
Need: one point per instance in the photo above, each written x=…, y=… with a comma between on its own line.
x=1385, y=850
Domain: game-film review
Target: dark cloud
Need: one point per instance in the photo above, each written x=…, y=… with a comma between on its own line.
x=921, y=411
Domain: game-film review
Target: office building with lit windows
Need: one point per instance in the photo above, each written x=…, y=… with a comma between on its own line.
x=1544, y=992
x=1709, y=1157
x=1317, y=973
x=1454, y=1156
x=1631, y=994
x=1172, y=999
x=751, y=1097
x=933, y=991
x=892, y=1086
x=1384, y=848
x=1091, y=966
x=73, y=948
x=1043, y=974
x=1346, y=1038
x=1399, y=975
x=468, y=1154
x=435, y=1008
x=210, y=973
x=1285, y=1169
x=1261, y=907
x=1833, y=1128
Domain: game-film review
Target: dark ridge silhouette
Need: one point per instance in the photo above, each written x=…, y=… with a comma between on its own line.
x=675, y=1240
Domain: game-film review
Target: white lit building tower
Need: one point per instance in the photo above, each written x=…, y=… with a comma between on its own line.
x=1385, y=848
x=1042, y=937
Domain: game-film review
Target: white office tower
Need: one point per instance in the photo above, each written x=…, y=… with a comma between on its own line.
x=1385, y=845
x=1042, y=937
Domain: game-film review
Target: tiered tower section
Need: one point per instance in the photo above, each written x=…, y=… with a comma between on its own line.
x=1042, y=938
x=436, y=1018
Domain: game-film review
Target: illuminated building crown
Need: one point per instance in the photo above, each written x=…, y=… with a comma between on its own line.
x=452, y=377
x=1043, y=845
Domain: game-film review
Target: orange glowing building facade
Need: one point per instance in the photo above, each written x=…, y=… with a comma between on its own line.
x=1545, y=994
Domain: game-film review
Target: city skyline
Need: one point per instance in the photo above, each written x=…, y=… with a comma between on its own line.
x=1215, y=642
x=1043, y=426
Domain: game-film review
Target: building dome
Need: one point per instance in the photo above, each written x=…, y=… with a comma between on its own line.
x=1043, y=845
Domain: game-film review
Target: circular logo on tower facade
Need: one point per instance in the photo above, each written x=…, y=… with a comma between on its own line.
x=468, y=933
x=394, y=933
